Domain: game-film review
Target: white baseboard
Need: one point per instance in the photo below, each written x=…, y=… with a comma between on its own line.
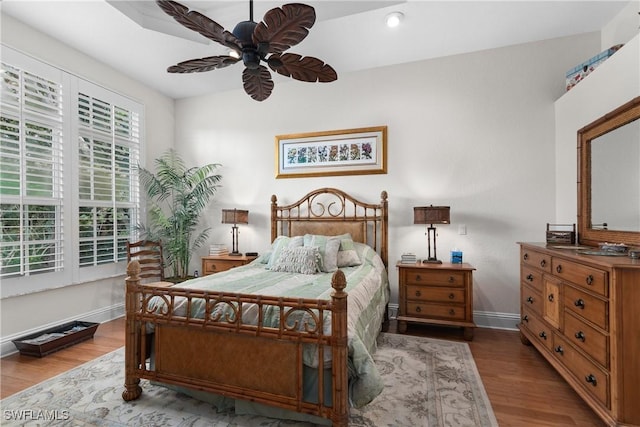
x=97, y=316
x=483, y=319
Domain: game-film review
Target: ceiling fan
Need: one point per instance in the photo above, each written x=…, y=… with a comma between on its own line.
x=281, y=28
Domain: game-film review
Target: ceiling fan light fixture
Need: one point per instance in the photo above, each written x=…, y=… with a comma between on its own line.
x=394, y=19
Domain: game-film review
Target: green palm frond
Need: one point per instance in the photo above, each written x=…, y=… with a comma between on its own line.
x=177, y=196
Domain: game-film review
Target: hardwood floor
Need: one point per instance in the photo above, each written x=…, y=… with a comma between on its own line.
x=523, y=388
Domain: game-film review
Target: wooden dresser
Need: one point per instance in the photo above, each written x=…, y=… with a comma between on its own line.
x=582, y=312
x=439, y=294
x=217, y=263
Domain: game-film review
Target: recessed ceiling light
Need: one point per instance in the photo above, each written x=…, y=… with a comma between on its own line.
x=393, y=19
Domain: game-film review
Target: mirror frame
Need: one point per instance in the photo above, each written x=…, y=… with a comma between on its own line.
x=613, y=120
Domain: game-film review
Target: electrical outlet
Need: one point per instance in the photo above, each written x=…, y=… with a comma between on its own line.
x=462, y=229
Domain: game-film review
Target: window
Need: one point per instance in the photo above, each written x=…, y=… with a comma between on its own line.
x=68, y=188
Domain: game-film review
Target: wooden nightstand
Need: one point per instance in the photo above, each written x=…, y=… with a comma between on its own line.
x=217, y=263
x=439, y=294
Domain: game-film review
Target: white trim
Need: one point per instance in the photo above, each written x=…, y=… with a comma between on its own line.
x=483, y=319
x=101, y=315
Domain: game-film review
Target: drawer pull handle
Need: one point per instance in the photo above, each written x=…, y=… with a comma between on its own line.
x=530, y=277
x=580, y=335
x=452, y=312
x=550, y=297
x=591, y=379
x=452, y=279
x=559, y=269
x=418, y=293
x=543, y=335
x=589, y=280
x=525, y=256
x=530, y=300
x=418, y=278
x=525, y=318
x=559, y=349
x=451, y=296
x=543, y=263
x=579, y=303
x=418, y=309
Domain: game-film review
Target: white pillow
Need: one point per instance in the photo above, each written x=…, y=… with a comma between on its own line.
x=347, y=254
x=328, y=247
x=279, y=244
x=302, y=259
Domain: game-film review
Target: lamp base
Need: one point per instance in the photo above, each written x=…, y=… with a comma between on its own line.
x=431, y=261
x=235, y=253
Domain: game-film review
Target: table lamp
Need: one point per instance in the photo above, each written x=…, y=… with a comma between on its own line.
x=431, y=215
x=235, y=217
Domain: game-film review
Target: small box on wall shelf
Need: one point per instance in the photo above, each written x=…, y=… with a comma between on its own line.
x=579, y=72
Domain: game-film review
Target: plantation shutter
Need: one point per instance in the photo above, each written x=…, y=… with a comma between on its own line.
x=31, y=173
x=108, y=152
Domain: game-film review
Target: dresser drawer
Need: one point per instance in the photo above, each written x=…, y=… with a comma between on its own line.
x=435, y=278
x=540, y=330
x=592, y=378
x=531, y=277
x=589, y=339
x=536, y=259
x=435, y=311
x=422, y=293
x=587, y=306
x=532, y=299
x=581, y=275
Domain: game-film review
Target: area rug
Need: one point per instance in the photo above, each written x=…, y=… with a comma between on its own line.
x=428, y=382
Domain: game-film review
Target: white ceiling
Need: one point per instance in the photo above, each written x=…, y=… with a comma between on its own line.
x=138, y=39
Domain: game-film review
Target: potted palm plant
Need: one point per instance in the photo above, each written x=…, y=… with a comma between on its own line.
x=177, y=196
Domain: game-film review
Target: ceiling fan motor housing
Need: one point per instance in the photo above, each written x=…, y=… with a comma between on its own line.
x=244, y=32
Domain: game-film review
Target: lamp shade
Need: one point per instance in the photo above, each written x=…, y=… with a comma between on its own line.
x=431, y=214
x=235, y=216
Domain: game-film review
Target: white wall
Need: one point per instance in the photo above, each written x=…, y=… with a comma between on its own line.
x=96, y=301
x=612, y=84
x=473, y=131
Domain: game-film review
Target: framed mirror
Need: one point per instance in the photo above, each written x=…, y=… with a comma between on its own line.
x=609, y=178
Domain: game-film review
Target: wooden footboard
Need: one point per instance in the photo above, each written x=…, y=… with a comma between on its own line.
x=224, y=355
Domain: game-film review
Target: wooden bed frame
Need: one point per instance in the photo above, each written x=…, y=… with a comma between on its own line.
x=214, y=353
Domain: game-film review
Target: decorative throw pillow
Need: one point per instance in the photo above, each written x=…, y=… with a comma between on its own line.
x=328, y=247
x=347, y=254
x=279, y=244
x=303, y=260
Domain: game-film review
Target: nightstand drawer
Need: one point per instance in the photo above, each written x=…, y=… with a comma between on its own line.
x=421, y=293
x=211, y=267
x=435, y=278
x=435, y=311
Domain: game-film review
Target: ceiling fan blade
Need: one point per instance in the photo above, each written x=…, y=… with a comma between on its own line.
x=202, y=64
x=199, y=23
x=306, y=69
x=257, y=82
x=284, y=27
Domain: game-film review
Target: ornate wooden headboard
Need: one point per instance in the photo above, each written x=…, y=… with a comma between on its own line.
x=330, y=211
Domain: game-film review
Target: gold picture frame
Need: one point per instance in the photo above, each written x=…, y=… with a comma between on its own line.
x=359, y=151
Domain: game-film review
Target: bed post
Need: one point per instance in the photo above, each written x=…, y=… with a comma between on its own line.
x=274, y=215
x=340, y=417
x=384, y=254
x=132, y=305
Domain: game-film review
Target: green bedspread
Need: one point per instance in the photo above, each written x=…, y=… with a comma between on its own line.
x=368, y=295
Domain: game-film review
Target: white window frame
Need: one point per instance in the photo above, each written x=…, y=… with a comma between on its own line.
x=71, y=272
